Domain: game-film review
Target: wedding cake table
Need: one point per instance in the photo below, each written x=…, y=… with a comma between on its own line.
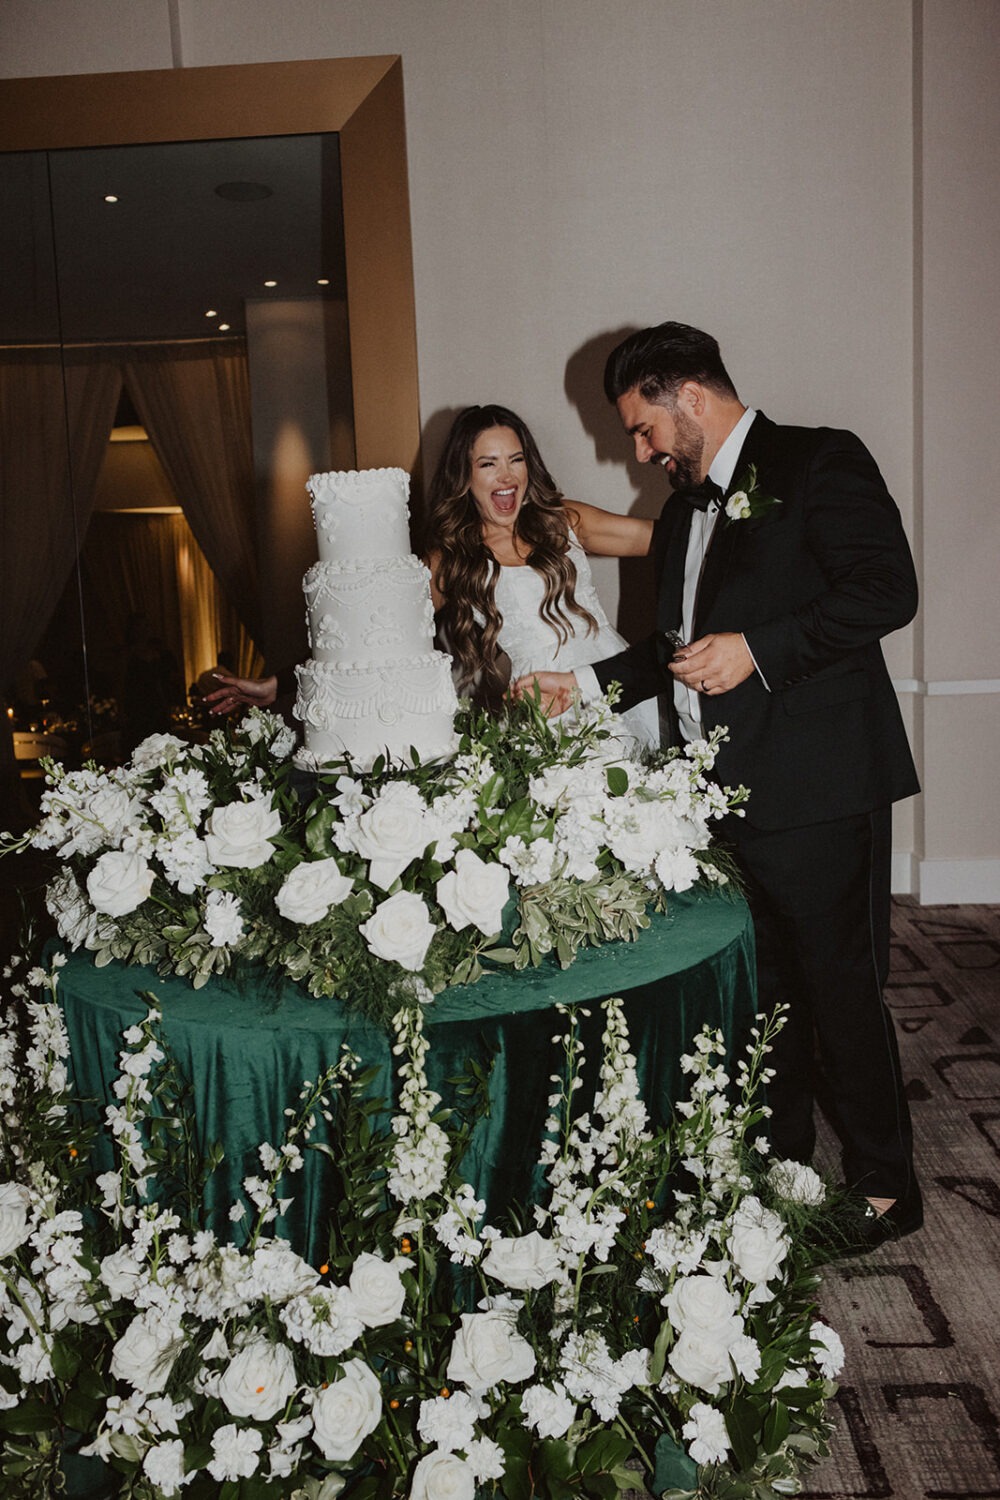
x=247, y=1047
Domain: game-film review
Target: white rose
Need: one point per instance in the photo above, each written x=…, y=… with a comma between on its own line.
x=311, y=889
x=238, y=834
x=346, y=1412
x=377, y=1292
x=700, y=1302
x=113, y=808
x=488, y=1350
x=797, y=1183
x=549, y=1412
x=119, y=883
x=14, y=1228
x=258, y=1381
x=474, y=893
x=527, y=1261
x=400, y=930
x=757, y=1242
x=443, y=1476
x=393, y=832
x=701, y=1356
x=144, y=1355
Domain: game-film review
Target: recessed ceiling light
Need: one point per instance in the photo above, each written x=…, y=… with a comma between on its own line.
x=211, y=313
x=323, y=281
x=223, y=327
x=243, y=192
x=270, y=283
x=111, y=197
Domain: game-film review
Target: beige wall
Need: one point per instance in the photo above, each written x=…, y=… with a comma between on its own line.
x=815, y=182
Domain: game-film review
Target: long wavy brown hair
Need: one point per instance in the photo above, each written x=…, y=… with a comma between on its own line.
x=467, y=571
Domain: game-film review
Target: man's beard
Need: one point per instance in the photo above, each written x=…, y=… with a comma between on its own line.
x=689, y=445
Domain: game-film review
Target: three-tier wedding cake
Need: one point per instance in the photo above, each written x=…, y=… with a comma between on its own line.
x=374, y=683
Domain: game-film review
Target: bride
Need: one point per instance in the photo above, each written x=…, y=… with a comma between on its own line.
x=508, y=560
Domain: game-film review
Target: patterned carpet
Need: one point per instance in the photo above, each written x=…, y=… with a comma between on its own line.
x=920, y=1399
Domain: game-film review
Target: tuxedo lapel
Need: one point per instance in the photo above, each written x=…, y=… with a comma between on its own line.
x=726, y=535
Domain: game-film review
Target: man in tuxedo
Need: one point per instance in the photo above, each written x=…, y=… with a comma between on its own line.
x=782, y=574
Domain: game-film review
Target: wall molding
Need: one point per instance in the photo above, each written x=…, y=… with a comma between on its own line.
x=954, y=882
x=945, y=689
x=904, y=873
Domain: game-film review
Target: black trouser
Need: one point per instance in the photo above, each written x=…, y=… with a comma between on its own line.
x=820, y=902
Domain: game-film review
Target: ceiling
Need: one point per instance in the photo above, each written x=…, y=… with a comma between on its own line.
x=198, y=226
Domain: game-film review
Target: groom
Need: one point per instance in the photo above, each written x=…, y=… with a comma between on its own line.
x=781, y=562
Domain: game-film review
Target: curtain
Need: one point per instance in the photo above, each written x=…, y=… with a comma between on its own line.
x=194, y=401
x=44, y=509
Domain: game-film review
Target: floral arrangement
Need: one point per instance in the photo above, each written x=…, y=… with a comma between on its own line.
x=748, y=500
x=658, y=1314
x=534, y=839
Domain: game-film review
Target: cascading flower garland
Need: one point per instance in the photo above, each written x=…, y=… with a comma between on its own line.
x=660, y=1314
x=535, y=839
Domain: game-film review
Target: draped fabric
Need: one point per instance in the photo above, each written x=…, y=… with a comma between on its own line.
x=247, y=1043
x=136, y=563
x=194, y=402
x=44, y=510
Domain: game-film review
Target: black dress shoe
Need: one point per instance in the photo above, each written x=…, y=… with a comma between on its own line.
x=871, y=1229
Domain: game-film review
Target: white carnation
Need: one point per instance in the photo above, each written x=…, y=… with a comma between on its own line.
x=223, y=918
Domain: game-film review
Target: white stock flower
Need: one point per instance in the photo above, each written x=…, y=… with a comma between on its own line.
x=549, y=1411
x=400, y=930
x=474, y=894
x=14, y=1226
x=488, y=1350
x=346, y=1412
x=443, y=1476
x=238, y=835
x=757, y=1241
x=119, y=882
x=524, y=1262
x=706, y=1434
x=377, y=1293
x=185, y=861
x=829, y=1350
x=223, y=919
x=797, y=1183
x=146, y=1352
x=393, y=832
x=258, y=1381
x=309, y=890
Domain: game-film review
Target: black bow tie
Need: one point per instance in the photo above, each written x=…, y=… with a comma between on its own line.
x=701, y=496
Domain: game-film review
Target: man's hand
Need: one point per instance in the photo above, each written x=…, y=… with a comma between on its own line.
x=558, y=690
x=256, y=692
x=713, y=664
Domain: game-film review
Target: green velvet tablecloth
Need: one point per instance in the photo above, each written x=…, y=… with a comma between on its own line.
x=247, y=1048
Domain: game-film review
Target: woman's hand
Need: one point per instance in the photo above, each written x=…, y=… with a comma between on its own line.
x=558, y=690
x=254, y=692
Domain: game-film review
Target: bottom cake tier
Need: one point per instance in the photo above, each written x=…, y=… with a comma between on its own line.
x=367, y=711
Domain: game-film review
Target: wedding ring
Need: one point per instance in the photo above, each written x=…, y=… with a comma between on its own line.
x=703, y=687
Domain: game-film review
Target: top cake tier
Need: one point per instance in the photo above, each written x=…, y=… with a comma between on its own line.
x=361, y=513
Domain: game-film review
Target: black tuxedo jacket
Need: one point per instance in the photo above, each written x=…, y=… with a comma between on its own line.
x=813, y=584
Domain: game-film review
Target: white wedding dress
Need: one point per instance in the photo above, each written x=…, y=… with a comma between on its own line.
x=533, y=645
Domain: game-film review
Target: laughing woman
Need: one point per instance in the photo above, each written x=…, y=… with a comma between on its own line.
x=508, y=560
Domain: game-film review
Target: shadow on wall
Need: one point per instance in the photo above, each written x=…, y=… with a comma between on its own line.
x=584, y=385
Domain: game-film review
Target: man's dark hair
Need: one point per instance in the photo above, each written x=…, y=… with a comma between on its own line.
x=657, y=361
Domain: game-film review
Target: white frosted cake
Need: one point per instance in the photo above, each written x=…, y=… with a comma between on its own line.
x=374, y=683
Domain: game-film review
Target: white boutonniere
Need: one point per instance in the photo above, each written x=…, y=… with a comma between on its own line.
x=748, y=499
